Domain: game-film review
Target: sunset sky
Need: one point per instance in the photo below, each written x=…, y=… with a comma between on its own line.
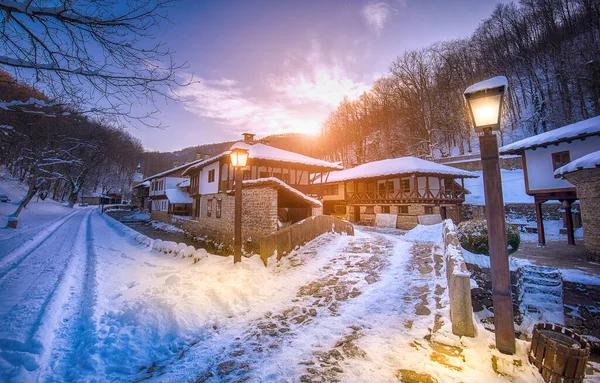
x=281, y=66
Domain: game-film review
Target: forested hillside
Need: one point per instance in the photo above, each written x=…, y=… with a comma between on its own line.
x=58, y=152
x=548, y=49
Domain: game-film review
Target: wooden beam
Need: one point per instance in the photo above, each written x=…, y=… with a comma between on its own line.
x=540, y=223
x=569, y=221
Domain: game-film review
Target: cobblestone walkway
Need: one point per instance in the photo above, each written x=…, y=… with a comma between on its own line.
x=318, y=336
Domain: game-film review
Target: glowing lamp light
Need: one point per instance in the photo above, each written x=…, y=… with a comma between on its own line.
x=485, y=103
x=239, y=155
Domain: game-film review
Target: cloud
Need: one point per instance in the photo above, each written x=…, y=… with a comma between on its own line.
x=376, y=13
x=325, y=85
x=224, y=103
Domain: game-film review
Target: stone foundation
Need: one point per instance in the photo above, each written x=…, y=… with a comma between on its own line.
x=587, y=184
x=404, y=221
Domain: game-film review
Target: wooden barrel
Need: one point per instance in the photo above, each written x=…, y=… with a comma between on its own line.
x=559, y=354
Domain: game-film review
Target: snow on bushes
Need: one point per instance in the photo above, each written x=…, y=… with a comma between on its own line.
x=473, y=236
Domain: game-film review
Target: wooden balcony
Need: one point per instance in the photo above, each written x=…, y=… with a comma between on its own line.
x=412, y=196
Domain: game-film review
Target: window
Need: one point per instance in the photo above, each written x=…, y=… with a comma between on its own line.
x=405, y=185
x=285, y=178
x=385, y=210
x=218, y=211
x=560, y=159
x=339, y=209
x=428, y=209
x=403, y=209
x=369, y=210
x=209, y=207
x=331, y=189
x=264, y=174
x=211, y=175
x=247, y=175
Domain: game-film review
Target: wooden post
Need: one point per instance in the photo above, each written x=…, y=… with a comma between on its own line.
x=569, y=222
x=237, y=231
x=540, y=223
x=501, y=293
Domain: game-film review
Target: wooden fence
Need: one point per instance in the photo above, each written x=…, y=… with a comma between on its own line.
x=286, y=239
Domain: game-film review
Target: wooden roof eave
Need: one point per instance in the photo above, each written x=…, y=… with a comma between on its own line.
x=521, y=151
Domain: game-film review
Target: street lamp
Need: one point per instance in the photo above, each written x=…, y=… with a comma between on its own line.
x=485, y=105
x=239, y=158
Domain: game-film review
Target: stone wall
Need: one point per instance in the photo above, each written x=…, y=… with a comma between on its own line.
x=582, y=309
x=259, y=218
x=481, y=295
x=550, y=211
x=587, y=184
x=581, y=302
x=157, y=215
x=475, y=164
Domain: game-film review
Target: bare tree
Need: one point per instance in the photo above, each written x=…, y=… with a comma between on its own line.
x=96, y=56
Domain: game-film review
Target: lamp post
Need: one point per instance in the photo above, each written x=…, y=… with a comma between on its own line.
x=485, y=104
x=239, y=158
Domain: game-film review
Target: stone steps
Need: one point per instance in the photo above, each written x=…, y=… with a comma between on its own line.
x=540, y=294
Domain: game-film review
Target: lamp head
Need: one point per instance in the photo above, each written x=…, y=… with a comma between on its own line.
x=485, y=101
x=239, y=155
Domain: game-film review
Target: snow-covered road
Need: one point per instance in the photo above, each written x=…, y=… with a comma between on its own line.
x=80, y=301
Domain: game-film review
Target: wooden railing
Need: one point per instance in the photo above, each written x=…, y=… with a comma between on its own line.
x=285, y=240
x=413, y=195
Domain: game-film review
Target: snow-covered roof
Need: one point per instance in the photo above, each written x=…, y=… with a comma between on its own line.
x=589, y=161
x=144, y=184
x=184, y=183
x=494, y=82
x=178, y=196
x=272, y=181
x=180, y=167
x=266, y=152
x=581, y=129
x=397, y=166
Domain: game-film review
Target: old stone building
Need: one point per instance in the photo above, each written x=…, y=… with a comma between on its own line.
x=406, y=187
x=584, y=173
x=277, y=190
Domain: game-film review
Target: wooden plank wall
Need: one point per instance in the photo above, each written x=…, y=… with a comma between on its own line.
x=285, y=240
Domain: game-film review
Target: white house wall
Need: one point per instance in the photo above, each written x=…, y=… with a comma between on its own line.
x=205, y=186
x=540, y=172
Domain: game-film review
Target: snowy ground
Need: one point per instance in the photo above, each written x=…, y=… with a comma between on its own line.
x=80, y=300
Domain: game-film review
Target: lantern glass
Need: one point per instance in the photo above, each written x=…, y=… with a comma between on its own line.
x=486, y=110
x=239, y=157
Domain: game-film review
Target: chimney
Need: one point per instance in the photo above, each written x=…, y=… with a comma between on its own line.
x=248, y=138
x=206, y=156
x=175, y=163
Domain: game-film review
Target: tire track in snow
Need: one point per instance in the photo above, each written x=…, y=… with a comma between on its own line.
x=38, y=285
x=12, y=260
x=14, y=240
x=73, y=349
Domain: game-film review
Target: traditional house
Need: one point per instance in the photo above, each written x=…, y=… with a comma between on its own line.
x=584, y=173
x=543, y=154
x=407, y=187
x=277, y=190
x=141, y=194
x=168, y=193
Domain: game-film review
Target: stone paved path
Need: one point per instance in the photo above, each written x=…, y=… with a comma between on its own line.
x=318, y=336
